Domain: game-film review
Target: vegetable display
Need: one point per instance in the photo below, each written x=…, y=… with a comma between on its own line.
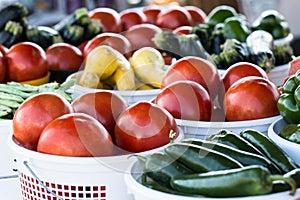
x=175, y=171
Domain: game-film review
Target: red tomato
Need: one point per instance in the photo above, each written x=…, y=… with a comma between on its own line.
x=115, y=40
x=194, y=69
x=3, y=49
x=174, y=17
x=131, y=17
x=34, y=114
x=197, y=14
x=82, y=45
x=109, y=18
x=105, y=106
x=64, y=56
x=75, y=134
x=3, y=68
x=186, y=100
x=250, y=98
x=240, y=70
x=26, y=61
x=294, y=66
x=151, y=12
x=144, y=126
x=141, y=35
x=183, y=30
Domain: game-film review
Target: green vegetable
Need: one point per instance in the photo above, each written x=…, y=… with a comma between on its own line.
x=283, y=54
x=234, y=140
x=13, y=12
x=237, y=27
x=204, y=32
x=288, y=103
x=246, y=181
x=44, y=36
x=280, y=186
x=11, y=34
x=291, y=132
x=244, y=157
x=200, y=159
x=161, y=168
x=217, y=39
x=269, y=149
x=190, y=45
x=74, y=35
x=219, y=14
x=273, y=22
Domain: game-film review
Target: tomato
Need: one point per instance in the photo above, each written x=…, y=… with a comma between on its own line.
x=240, y=70
x=131, y=17
x=197, y=14
x=109, y=18
x=174, y=17
x=194, y=69
x=183, y=30
x=250, y=98
x=186, y=100
x=115, y=40
x=82, y=45
x=151, y=12
x=64, y=56
x=3, y=68
x=26, y=61
x=34, y=114
x=3, y=49
x=105, y=106
x=144, y=126
x=294, y=66
x=75, y=134
x=141, y=35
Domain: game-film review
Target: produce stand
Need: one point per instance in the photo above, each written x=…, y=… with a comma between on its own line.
x=144, y=114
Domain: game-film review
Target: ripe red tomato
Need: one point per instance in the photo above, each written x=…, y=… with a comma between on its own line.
x=64, y=56
x=186, y=100
x=141, y=35
x=151, y=12
x=197, y=14
x=34, y=114
x=109, y=18
x=3, y=49
x=26, y=61
x=131, y=17
x=294, y=66
x=194, y=69
x=3, y=68
x=144, y=126
x=105, y=106
x=240, y=70
x=250, y=98
x=115, y=40
x=183, y=30
x=174, y=17
x=75, y=134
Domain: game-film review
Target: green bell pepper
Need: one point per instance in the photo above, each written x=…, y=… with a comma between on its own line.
x=219, y=14
x=288, y=103
x=237, y=27
x=291, y=132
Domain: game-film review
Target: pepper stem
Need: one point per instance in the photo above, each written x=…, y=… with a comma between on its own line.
x=288, y=180
x=172, y=136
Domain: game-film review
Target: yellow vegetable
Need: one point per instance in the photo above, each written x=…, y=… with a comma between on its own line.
x=148, y=65
x=39, y=81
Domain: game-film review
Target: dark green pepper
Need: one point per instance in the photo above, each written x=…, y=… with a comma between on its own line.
x=244, y=157
x=161, y=168
x=219, y=14
x=217, y=39
x=269, y=149
x=288, y=103
x=200, y=159
x=280, y=186
x=237, y=27
x=291, y=132
x=246, y=181
x=234, y=140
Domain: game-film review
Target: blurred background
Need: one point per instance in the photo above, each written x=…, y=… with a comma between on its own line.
x=48, y=12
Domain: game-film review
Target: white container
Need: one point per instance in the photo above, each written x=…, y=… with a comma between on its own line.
x=140, y=192
x=203, y=129
x=131, y=96
x=286, y=40
x=291, y=148
x=45, y=176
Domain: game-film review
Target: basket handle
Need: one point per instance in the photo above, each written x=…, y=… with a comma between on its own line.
x=39, y=180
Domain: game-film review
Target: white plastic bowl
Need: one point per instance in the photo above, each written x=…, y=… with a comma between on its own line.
x=202, y=129
x=291, y=148
x=140, y=192
x=286, y=40
x=131, y=96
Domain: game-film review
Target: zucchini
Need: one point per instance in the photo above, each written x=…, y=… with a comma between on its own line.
x=43, y=35
x=11, y=34
x=12, y=12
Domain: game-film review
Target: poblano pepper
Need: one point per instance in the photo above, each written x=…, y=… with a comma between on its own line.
x=288, y=103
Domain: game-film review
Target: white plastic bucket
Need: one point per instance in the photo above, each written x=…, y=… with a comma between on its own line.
x=291, y=148
x=203, y=129
x=140, y=192
x=44, y=176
